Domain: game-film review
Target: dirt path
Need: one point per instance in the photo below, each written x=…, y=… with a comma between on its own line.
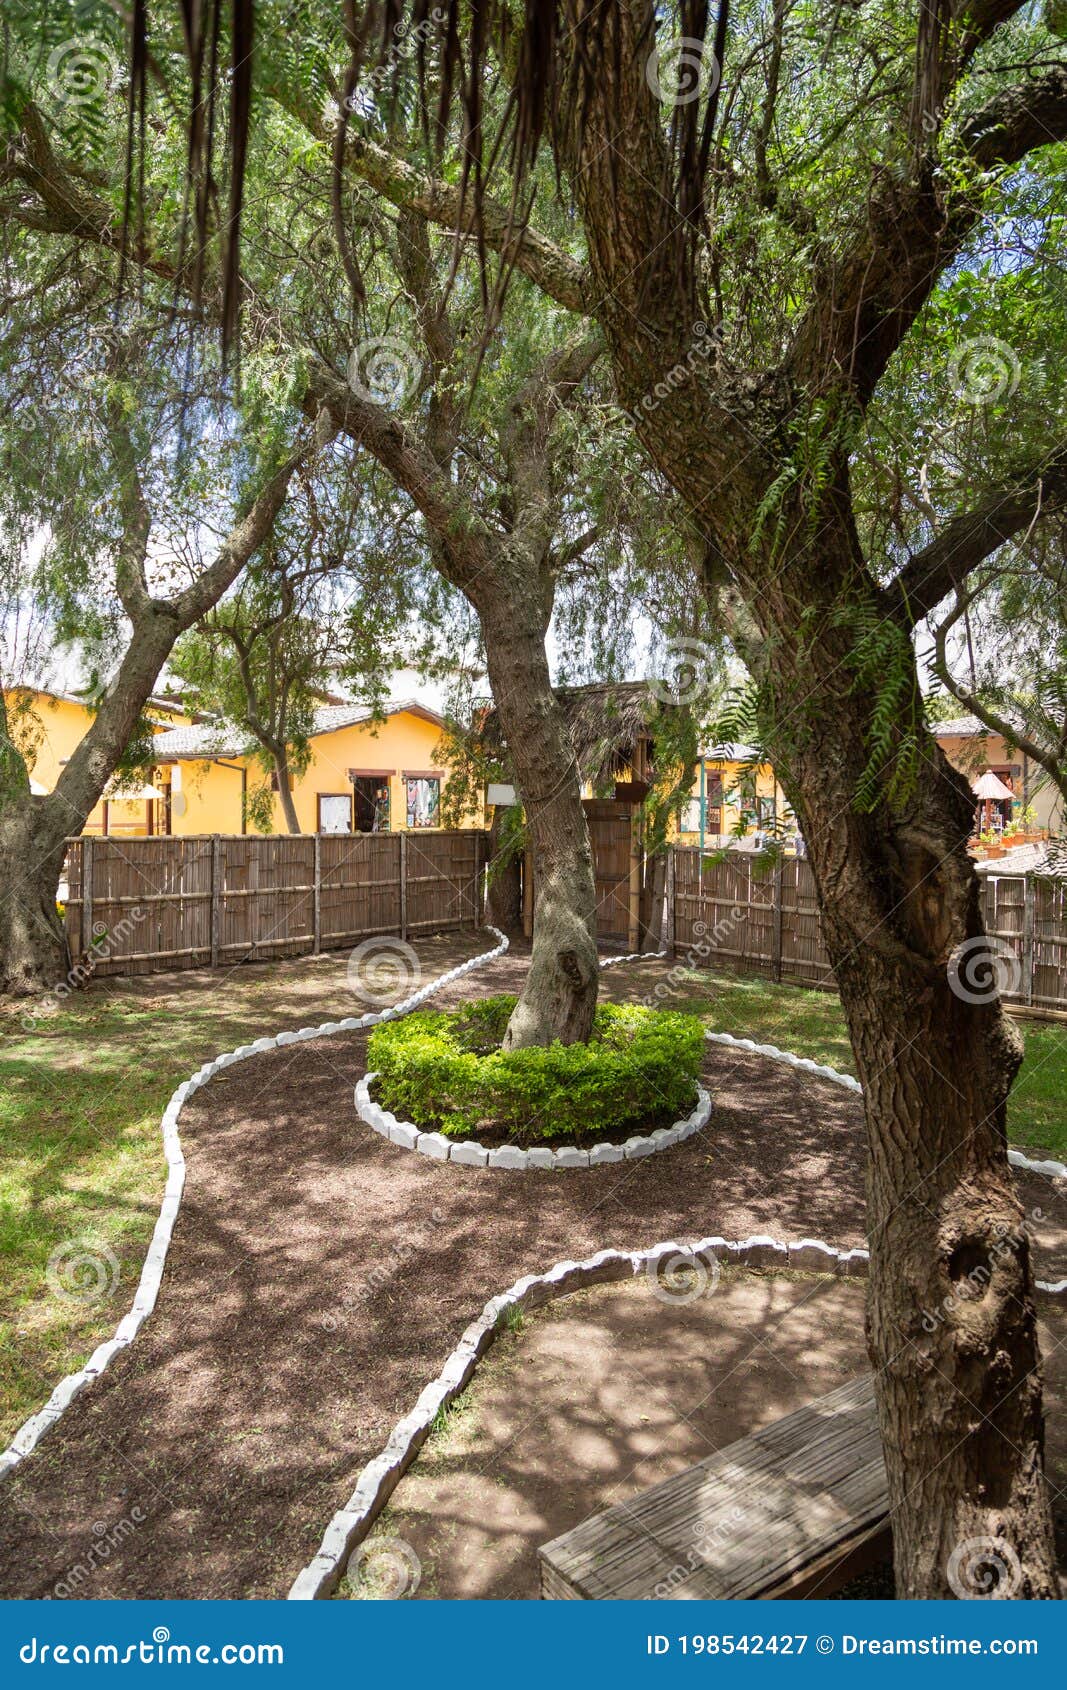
x=634, y=1389
x=318, y=1277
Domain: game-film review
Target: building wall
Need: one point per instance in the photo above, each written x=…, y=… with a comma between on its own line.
x=729, y=811
x=205, y=796
x=973, y=753
x=206, y=793
x=49, y=732
x=404, y=744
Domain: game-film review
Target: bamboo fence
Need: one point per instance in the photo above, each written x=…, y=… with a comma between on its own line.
x=144, y=905
x=742, y=914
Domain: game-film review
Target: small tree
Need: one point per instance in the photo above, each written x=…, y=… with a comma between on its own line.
x=321, y=607
x=106, y=490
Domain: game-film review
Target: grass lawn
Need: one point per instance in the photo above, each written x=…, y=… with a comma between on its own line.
x=812, y=1024
x=81, y=1163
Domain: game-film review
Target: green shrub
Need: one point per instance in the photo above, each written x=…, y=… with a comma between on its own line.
x=445, y=1070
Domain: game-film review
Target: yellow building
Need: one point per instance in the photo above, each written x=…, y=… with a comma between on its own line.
x=48, y=726
x=729, y=794
x=363, y=776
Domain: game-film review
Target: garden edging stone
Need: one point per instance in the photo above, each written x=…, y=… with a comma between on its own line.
x=467, y=1152
x=32, y=1430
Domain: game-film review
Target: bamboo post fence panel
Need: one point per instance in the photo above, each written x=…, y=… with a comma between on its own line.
x=150, y=904
x=734, y=914
x=1004, y=911
x=360, y=894
x=1049, y=964
x=442, y=880
x=803, y=957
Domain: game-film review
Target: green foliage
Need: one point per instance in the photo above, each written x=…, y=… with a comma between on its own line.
x=446, y=1070
x=884, y=668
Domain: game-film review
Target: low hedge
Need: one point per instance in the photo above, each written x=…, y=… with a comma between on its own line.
x=445, y=1070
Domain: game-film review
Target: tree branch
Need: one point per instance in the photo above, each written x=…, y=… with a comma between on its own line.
x=155, y=629
x=467, y=543
x=911, y=235
x=968, y=539
x=979, y=707
x=529, y=251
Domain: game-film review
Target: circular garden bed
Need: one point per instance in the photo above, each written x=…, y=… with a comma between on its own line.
x=441, y=1083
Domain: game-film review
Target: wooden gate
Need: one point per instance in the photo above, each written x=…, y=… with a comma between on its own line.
x=615, y=838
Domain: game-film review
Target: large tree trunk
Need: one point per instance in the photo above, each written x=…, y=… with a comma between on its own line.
x=33, y=947
x=952, y=1329
x=559, y=998
x=764, y=472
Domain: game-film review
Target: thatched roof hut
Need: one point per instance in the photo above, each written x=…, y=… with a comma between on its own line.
x=614, y=728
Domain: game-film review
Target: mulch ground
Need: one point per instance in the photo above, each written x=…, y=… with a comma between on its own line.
x=318, y=1277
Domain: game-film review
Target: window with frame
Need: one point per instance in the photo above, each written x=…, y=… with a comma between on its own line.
x=335, y=812
x=422, y=800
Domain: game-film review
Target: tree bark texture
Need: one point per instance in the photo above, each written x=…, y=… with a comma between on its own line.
x=559, y=998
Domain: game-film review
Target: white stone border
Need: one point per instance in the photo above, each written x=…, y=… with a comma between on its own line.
x=33, y=1430
x=1053, y=1170
x=351, y=1524
x=376, y=1482
x=469, y=1153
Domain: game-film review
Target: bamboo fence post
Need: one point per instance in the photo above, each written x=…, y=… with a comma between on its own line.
x=403, y=886
x=87, y=893
x=317, y=895
x=216, y=898
x=777, y=941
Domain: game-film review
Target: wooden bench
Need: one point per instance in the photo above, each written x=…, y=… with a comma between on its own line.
x=793, y=1510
